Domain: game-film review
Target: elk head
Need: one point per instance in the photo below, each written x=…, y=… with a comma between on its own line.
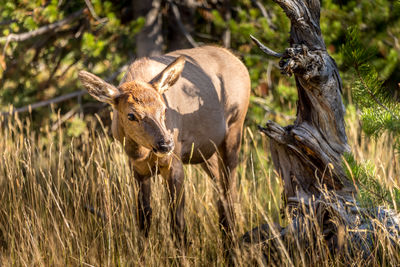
x=140, y=106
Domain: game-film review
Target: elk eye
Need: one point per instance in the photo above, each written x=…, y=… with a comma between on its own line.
x=132, y=117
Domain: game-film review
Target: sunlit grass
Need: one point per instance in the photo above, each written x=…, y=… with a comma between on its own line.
x=72, y=202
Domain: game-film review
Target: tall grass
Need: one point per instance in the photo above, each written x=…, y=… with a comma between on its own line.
x=71, y=202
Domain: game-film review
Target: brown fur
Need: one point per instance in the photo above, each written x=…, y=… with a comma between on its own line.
x=201, y=114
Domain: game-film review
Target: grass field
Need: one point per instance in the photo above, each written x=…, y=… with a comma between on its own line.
x=71, y=202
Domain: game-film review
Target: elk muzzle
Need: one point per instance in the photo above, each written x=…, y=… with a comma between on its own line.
x=164, y=146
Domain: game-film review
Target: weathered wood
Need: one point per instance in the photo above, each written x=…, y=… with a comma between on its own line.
x=319, y=197
x=308, y=154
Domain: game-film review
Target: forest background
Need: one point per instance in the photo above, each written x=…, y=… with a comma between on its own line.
x=104, y=36
x=43, y=45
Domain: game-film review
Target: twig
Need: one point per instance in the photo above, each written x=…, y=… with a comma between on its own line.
x=226, y=35
x=265, y=49
x=91, y=9
x=177, y=15
x=395, y=40
x=93, y=13
x=79, y=261
x=72, y=112
x=64, y=118
x=121, y=69
x=261, y=102
x=42, y=30
x=58, y=63
x=46, y=102
x=67, y=69
x=61, y=98
x=261, y=8
x=264, y=13
x=193, y=4
x=206, y=36
x=7, y=22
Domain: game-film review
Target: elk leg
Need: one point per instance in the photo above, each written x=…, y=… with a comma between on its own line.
x=227, y=198
x=223, y=173
x=143, y=205
x=228, y=161
x=175, y=176
x=219, y=169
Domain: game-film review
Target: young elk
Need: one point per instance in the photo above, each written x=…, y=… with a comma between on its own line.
x=184, y=107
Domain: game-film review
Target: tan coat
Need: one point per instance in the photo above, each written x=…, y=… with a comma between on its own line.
x=187, y=106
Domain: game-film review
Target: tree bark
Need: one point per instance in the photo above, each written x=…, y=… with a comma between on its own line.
x=149, y=40
x=226, y=12
x=308, y=154
x=181, y=24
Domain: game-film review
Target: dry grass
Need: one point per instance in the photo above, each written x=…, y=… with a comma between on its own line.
x=48, y=185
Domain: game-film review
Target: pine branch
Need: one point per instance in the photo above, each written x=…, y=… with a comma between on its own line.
x=369, y=91
x=379, y=111
x=368, y=186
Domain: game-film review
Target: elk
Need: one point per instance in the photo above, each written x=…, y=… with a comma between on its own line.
x=184, y=107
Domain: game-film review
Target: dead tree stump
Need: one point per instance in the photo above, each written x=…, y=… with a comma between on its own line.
x=308, y=154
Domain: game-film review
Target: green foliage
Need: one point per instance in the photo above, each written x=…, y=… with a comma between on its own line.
x=91, y=46
x=371, y=191
x=379, y=111
x=76, y=127
x=287, y=92
x=380, y=29
x=46, y=66
x=278, y=93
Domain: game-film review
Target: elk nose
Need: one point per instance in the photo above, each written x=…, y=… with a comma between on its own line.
x=165, y=146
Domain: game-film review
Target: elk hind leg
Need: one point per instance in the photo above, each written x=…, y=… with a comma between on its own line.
x=221, y=167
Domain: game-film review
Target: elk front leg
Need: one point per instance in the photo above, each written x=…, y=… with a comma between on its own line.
x=174, y=175
x=143, y=204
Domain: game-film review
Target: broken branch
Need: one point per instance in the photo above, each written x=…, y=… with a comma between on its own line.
x=20, y=37
x=265, y=49
x=177, y=15
x=62, y=97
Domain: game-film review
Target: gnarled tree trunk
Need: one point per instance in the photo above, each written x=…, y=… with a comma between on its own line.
x=308, y=154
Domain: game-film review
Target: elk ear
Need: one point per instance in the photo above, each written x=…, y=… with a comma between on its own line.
x=98, y=88
x=169, y=75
